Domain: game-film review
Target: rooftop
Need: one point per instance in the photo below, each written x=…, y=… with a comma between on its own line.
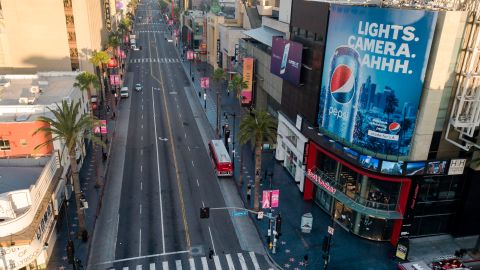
x=18, y=174
x=24, y=95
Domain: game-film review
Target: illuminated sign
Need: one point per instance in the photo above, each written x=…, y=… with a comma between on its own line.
x=318, y=180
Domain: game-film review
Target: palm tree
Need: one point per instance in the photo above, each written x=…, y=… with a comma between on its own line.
x=124, y=25
x=218, y=77
x=69, y=125
x=236, y=84
x=99, y=59
x=258, y=127
x=87, y=81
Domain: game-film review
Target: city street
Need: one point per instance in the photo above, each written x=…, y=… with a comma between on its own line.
x=167, y=173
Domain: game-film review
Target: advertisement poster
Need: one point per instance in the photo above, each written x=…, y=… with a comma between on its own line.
x=204, y=82
x=286, y=60
x=375, y=62
x=247, y=77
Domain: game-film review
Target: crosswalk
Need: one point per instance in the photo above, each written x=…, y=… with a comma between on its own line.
x=237, y=261
x=149, y=31
x=155, y=60
x=148, y=23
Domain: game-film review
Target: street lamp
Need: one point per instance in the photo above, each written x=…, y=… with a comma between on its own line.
x=226, y=114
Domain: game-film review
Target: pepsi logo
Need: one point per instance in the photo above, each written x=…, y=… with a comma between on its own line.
x=394, y=127
x=342, y=84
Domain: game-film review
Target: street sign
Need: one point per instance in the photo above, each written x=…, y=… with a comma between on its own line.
x=275, y=196
x=270, y=198
x=260, y=215
x=330, y=230
x=190, y=55
x=239, y=213
x=266, y=199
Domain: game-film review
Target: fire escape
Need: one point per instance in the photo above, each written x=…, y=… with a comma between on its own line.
x=465, y=113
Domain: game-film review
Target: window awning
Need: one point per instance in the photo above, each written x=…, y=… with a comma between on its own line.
x=264, y=34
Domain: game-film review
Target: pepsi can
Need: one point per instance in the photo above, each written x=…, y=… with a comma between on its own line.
x=341, y=99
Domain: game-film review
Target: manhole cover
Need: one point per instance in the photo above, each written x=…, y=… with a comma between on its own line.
x=197, y=251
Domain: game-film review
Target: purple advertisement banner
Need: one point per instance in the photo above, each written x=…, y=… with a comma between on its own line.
x=286, y=59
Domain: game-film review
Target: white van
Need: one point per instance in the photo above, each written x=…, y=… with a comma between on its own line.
x=124, y=92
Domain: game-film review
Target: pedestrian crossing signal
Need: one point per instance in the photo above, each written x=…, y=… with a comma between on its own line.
x=204, y=212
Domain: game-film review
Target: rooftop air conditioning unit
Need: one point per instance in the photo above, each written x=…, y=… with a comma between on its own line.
x=23, y=100
x=34, y=89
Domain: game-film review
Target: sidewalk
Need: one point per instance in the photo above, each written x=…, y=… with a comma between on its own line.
x=347, y=251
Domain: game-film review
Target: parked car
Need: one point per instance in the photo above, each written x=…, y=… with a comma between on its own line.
x=124, y=92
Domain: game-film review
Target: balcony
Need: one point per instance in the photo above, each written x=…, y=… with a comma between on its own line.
x=359, y=204
x=26, y=187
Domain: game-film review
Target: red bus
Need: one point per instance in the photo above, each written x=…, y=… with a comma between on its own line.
x=221, y=158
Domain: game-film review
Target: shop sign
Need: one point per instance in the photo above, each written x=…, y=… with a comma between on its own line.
x=402, y=251
x=270, y=198
x=108, y=22
x=248, y=78
x=457, y=166
x=204, y=82
x=103, y=126
x=115, y=79
x=190, y=55
x=318, y=180
x=16, y=257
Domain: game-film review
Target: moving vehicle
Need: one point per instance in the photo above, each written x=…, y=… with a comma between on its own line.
x=124, y=92
x=138, y=87
x=221, y=158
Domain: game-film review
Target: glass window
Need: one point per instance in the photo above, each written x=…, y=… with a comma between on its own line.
x=4, y=145
x=327, y=165
x=350, y=181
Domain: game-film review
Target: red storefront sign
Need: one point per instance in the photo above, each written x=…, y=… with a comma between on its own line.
x=115, y=79
x=112, y=63
x=103, y=126
x=317, y=179
x=190, y=55
x=270, y=198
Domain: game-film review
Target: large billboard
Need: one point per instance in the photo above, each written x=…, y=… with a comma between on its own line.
x=286, y=59
x=375, y=62
x=248, y=78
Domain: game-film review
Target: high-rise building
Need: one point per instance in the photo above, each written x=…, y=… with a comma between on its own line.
x=50, y=35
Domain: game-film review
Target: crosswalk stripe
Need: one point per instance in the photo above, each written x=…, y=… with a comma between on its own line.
x=152, y=266
x=204, y=263
x=125, y=268
x=165, y=265
x=254, y=260
x=179, y=264
x=139, y=267
x=218, y=266
x=158, y=60
x=229, y=262
x=192, y=264
x=242, y=261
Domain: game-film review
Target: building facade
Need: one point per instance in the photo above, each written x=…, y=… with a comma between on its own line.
x=50, y=35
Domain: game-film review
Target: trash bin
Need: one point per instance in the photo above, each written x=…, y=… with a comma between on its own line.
x=307, y=223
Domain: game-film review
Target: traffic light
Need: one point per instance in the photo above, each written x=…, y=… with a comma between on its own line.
x=70, y=252
x=204, y=212
x=278, y=224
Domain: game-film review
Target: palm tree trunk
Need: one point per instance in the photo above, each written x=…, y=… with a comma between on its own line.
x=258, y=177
x=78, y=193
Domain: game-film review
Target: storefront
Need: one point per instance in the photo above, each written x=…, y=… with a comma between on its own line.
x=369, y=205
x=290, y=149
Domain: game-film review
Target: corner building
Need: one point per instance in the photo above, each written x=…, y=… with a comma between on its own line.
x=392, y=166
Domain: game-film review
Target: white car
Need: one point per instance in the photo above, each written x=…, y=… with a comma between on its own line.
x=124, y=92
x=138, y=87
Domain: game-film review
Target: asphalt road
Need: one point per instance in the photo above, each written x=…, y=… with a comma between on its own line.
x=168, y=175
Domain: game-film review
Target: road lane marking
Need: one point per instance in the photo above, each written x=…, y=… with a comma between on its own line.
x=142, y=116
x=165, y=265
x=142, y=126
x=188, y=148
x=185, y=135
x=152, y=266
x=158, y=173
x=141, y=168
x=178, y=264
x=242, y=261
x=139, y=267
x=145, y=256
x=125, y=268
x=141, y=185
x=192, y=263
x=218, y=266
x=204, y=263
x=211, y=238
x=203, y=204
x=254, y=260
x=229, y=262
x=140, y=209
x=198, y=184
x=141, y=151
x=193, y=164
x=140, y=244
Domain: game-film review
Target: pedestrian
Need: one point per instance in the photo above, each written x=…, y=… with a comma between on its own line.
x=249, y=191
x=199, y=94
x=108, y=108
x=210, y=254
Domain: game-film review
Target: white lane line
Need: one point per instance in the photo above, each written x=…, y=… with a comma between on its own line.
x=185, y=135
x=140, y=244
x=193, y=164
x=203, y=204
x=142, y=126
x=142, y=107
x=141, y=138
x=142, y=116
x=152, y=266
x=188, y=148
x=141, y=151
x=178, y=263
x=204, y=263
x=192, y=263
x=229, y=262
x=211, y=238
x=254, y=260
x=243, y=264
x=125, y=268
x=165, y=265
x=198, y=184
x=141, y=168
x=158, y=173
x=141, y=185
x=140, y=209
x=218, y=266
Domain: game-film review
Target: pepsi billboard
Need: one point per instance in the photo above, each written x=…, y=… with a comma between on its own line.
x=375, y=62
x=286, y=61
